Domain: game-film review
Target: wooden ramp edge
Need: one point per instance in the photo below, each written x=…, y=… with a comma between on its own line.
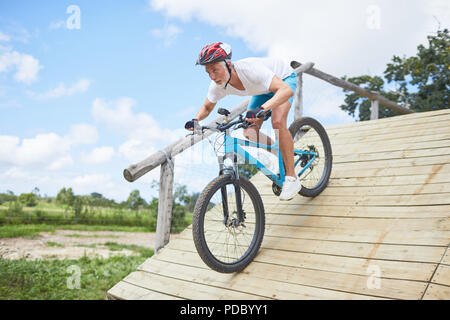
x=381, y=229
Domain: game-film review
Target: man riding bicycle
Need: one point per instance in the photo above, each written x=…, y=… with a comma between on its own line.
x=271, y=83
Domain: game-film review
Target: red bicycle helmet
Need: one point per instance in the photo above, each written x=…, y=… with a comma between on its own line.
x=214, y=52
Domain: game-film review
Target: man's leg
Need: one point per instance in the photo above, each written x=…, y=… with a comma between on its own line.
x=279, y=124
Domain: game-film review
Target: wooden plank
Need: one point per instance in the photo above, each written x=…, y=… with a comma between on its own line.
x=429, y=115
x=437, y=292
x=342, y=142
x=345, y=223
x=344, y=264
x=360, y=223
x=394, y=163
x=394, y=200
x=243, y=282
x=368, y=148
x=378, y=164
x=410, y=237
x=433, y=121
x=435, y=173
x=332, y=190
x=126, y=291
x=390, y=269
x=402, y=154
x=389, y=181
x=382, y=190
x=380, y=172
x=446, y=258
x=365, y=135
x=406, y=237
x=394, y=134
x=388, y=212
x=392, y=181
x=427, y=254
x=184, y=289
x=442, y=275
x=351, y=283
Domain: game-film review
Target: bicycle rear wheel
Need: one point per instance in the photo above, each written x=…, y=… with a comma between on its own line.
x=310, y=136
x=223, y=242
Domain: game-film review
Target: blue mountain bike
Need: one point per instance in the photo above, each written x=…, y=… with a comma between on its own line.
x=229, y=220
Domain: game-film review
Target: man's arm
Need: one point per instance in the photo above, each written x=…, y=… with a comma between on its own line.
x=282, y=93
x=205, y=110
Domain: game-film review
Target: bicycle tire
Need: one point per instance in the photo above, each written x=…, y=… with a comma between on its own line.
x=294, y=129
x=202, y=244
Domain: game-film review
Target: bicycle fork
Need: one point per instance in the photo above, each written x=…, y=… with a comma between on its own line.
x=237, y=191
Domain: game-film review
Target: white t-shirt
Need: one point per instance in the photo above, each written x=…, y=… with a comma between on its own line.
x=256, y=75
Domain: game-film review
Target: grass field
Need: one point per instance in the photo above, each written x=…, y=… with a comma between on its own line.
x=82, y=279
x=70, y=279
x=46, y=213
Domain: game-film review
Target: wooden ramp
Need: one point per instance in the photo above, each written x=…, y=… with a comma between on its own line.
x=381, y=229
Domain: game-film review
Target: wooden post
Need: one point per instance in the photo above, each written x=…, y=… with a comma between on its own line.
x=298, y=98
x=374, y=110
x=165, y=203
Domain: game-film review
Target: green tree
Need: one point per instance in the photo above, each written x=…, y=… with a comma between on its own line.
x=355, y=102
x=28, y=199
x=61, y=196
x=428, y=73
x=77, y=206
x=66, y=198
x=423, y=81
x=247, y=170
x=96, y=195
x=135, y=200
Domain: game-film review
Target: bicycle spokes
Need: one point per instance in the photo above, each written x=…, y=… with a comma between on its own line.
x=311, y=156
x=229, y=225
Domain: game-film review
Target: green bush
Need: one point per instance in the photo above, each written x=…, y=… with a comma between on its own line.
x=15, y=208
x=28, y=199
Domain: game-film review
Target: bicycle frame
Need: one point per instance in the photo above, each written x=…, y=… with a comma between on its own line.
x=233, y=146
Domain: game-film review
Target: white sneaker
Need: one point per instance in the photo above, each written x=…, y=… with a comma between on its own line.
x=291, y=187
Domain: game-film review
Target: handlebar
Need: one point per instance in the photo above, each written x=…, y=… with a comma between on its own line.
x=222, y=127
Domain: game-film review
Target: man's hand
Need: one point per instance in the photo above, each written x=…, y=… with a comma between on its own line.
x=191, y=124
x=254, y=115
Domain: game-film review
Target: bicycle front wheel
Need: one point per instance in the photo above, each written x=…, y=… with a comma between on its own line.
x=226, y=242
x=313, y=151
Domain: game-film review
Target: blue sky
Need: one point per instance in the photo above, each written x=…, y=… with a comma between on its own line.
x=77, y=106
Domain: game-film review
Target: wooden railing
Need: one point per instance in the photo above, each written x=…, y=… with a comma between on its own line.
x=165, y=157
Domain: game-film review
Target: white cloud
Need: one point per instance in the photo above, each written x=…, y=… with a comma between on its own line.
x=92, y=182
x=168, y=33
x=321, y=101
x=45, y=151
x=12, y=103
x=4, y=37
x=340, y=37
x=98, y=155
x=135, y=150
x=48, y=151
x=143, y=133
x=61, y=90
x=82, y=134
x=26, y=66
x=334, y=34
x=57, y=25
